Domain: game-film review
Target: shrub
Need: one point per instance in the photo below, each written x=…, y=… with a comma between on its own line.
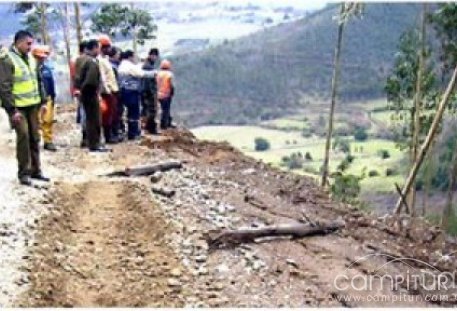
x=306, y=132
x=384, y=154
x=360, y=134
x=391, y=172
x=261, y=144
x=346, y=188
x=295, y=163
x=373, y=173
x=308, y=156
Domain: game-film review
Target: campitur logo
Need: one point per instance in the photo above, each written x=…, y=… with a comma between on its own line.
x=431, y=284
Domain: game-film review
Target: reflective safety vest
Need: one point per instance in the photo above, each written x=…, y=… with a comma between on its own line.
x=25, y=85
x=164, y=84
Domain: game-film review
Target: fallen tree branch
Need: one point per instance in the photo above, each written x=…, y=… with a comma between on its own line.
x=147, y=169
x=235, y=237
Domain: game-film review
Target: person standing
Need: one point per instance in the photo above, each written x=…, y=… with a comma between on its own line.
x=80, y=115
x=149, y=94
x=130, y=76
x=22, y=98
x=88, y=81
x=165, y=91
x=41, y=54
x=109, y=89
x=118, y=121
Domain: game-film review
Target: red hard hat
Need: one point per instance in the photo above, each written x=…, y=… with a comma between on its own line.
x=104, y=40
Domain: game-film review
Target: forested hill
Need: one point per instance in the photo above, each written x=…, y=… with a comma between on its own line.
x=274, y=71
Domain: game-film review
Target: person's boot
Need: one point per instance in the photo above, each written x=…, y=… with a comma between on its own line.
x=84, y=143
x=100, y=149
x=108, y=133
x=25, y=180
x=40, y=176
x=50, y=147
x=151, y=127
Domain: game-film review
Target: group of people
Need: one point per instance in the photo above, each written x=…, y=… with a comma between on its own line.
x=108, y=84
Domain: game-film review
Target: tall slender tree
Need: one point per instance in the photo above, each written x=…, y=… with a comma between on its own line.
x=429, y=140
x=36, y=18
x=347, y=9
x=120, y=20
x=78, y=24
x=418, y=103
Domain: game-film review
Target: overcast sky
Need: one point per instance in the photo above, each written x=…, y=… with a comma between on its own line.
x=303, y=4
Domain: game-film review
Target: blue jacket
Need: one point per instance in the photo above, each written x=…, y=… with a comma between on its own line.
x=48, y=80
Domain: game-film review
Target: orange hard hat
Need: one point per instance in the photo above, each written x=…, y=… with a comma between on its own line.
x=104, y=40
x=42, y=51
x=165, y=64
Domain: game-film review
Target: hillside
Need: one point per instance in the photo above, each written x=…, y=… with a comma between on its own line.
x=268, y=74
x=89, y=240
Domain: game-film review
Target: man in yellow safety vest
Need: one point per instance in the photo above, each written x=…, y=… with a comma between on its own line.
x=22, y=97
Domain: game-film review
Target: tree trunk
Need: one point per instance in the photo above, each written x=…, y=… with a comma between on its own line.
x=336, y=73
x=43, y=23
x=449, y=208
x=428, y=182
x=428, y=140
x=66, y=35
x=134, y=35
x=79, y=35
x=418, y=107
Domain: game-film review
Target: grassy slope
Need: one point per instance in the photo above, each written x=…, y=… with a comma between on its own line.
x=284, y=142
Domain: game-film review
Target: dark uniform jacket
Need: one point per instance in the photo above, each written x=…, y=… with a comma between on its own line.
x=149, y=86
x=87, y=75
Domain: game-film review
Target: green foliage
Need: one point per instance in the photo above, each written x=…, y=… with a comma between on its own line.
x=384, y=154
x=452, y=222
x=342, y=145
x=373, y=173
x=440, y=162
x=308, y=156
x=360, y=134
x=391, y=172
x=32, y=15
x=346, y=187
x=120, y=20
x=294, y=161
x=344, y=165
x=307, y=132
x=261, y=144
x=444, y=21
x=401, y=89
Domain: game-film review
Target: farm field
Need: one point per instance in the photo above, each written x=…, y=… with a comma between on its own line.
x=285, y=136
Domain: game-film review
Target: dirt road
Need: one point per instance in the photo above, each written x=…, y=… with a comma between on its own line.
x=102, y=241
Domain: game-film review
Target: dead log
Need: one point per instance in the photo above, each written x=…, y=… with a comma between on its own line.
x=217, y=239
x=147, y=170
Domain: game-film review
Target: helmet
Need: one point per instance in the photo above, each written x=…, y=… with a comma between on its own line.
x=42, y=51
x=165, y=64
x=104, y=40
